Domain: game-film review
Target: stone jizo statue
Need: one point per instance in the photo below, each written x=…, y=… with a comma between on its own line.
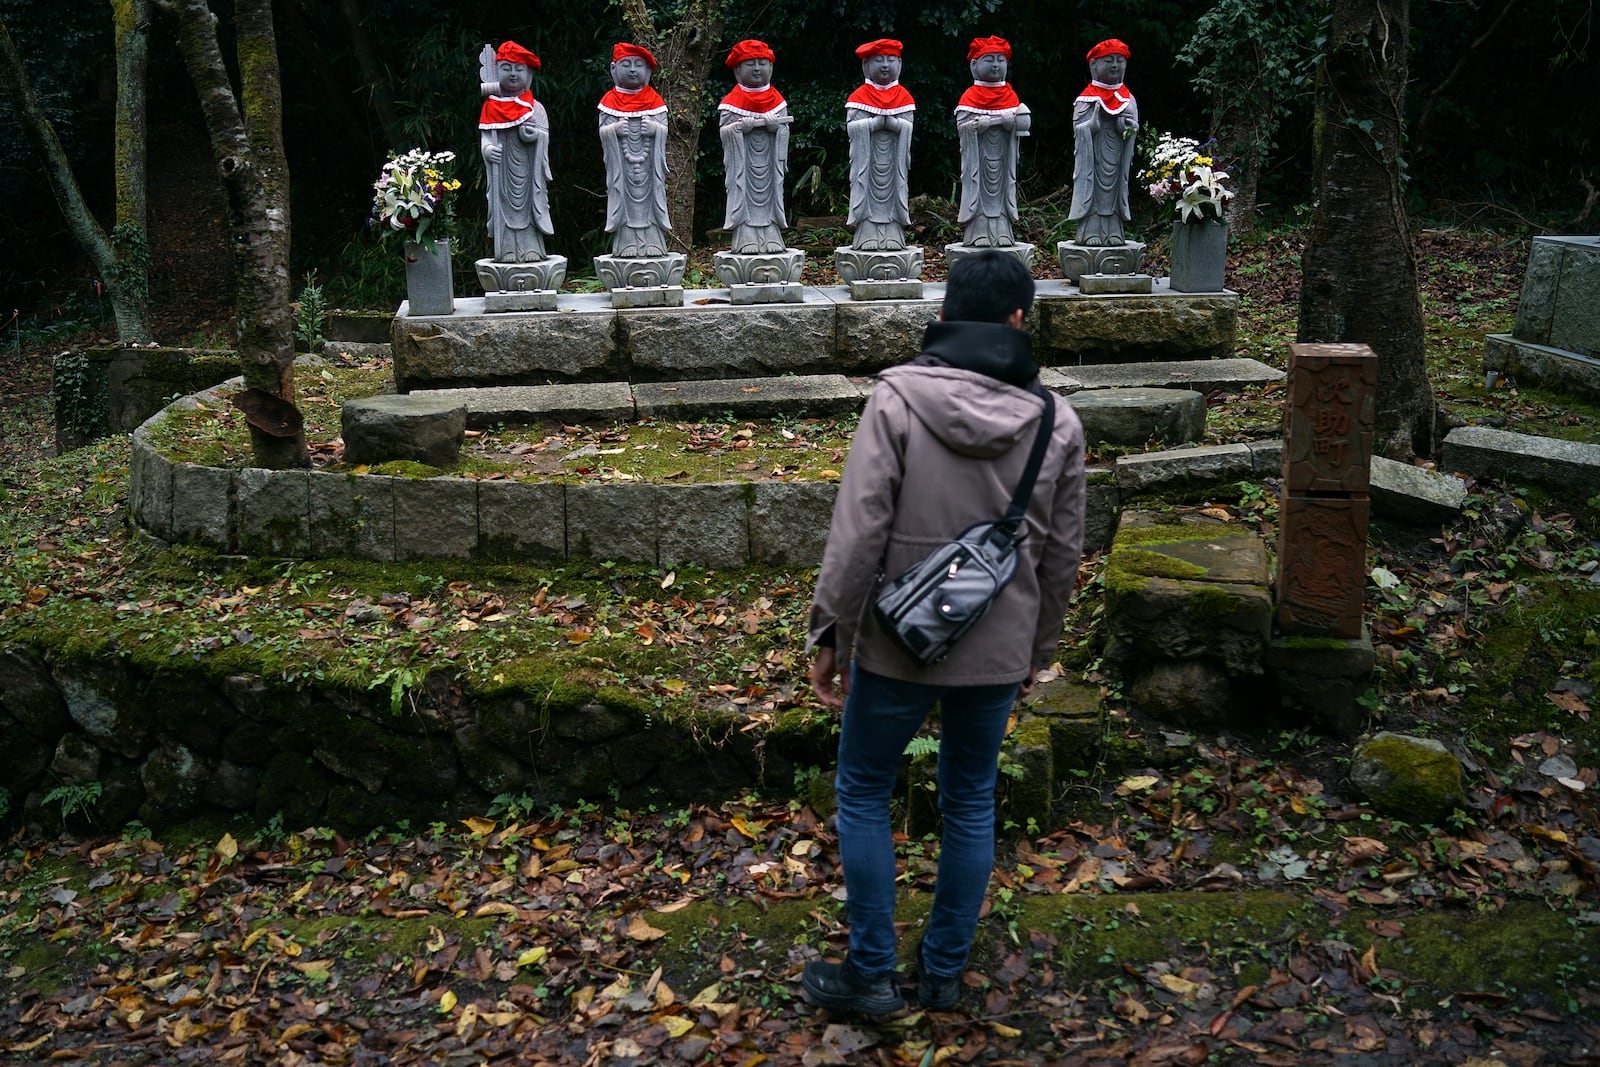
x=1105, y=126
x=991, y=121
x=754, y=122
x=514, y=136
x=878, y=117
x=633, y=138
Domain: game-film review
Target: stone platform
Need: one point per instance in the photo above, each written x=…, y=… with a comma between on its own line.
x=587, y=340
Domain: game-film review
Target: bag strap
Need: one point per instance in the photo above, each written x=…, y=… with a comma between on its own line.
x=1012, y=519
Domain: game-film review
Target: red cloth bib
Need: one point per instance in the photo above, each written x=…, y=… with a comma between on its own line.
x=988, y=97
x=742, y=99
x=871, y=97
x=1113, y=100
x=501, y=112
x=646, y=99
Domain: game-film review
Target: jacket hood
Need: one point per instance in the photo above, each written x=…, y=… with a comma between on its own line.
x=971, y=414
x=990, y=348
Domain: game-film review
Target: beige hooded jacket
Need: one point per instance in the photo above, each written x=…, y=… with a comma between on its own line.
x=939, y=449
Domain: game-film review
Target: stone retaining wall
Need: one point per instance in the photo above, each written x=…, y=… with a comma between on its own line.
x=587, y=340
x=172, y=742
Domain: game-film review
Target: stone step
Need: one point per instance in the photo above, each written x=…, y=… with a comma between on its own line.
x=1528, y=363
x=1202, y=375
x=1136, y=416
x=1521, y=459
x=813, y=394
x=1111, y=414
x=518, y=405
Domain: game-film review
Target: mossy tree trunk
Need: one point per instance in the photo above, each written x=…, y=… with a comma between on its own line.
x=122, y=258
x=247, y=143
x=1359, y=271
x=685, y=55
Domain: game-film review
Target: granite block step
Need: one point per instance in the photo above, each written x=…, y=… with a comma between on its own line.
x=751, y=398
x=519, y=405
x=1201, y=375
x=1135, y=416
x=1569, y=467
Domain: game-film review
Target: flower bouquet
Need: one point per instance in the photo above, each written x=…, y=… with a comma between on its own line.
x=1179, y=171
x=415, y=196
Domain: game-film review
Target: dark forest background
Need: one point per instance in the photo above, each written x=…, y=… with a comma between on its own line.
x=1502, y=113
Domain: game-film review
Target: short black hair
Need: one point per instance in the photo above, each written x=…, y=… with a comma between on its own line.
x=987, y=286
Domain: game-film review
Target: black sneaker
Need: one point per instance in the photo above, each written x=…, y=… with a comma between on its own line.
x=839, y=987
x=936, y=992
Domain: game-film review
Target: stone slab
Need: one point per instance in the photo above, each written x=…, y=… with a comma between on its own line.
x=1227, y=552
x=721, y=341
x=1414, y=495
x=789, y=522
x=1322, y=564
x=612, y=522
x=885, y=289
x=815, y=394
x=1101, y=284
x=435, y=518
x=1553, y=368
x=1266, y=457
x=422, y=427
x=1071, y=328
x=705, y=523
x=1136, y=416
x=202, y=504
x=1520, y=459
x=352, y=515
x=869, y=336
x=1102, y=505
x=1201, y=375
x=519, y=405
x=1061, y=382
x=655, y=296
x=150, y=486
x=471, y=349
x=274, y=509
x=1206, y=463
x=771, y=293
x=522, y=521
x=1560, y=301
x=524, y=300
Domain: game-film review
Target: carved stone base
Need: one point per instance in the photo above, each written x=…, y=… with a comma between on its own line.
x=856, y=265
x=647, y=296
x=759, y=268
x=618, y=272
x=500, y=277
x=1078, y=260
x=1023, y=251
x=1101, y=284
x=907, y=289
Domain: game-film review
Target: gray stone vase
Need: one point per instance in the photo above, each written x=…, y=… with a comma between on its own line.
x=428, y=285
x=1199, y=256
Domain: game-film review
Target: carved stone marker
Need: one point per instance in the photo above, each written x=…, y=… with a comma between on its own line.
x=1327, y=459
x=754, y=121
x=1322, y=535
x=514, y=137
x=877, y=264
x=640, y=271
x=1105, y=126
x=990, y=122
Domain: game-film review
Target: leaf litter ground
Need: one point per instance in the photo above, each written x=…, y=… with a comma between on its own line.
x=1227, y=903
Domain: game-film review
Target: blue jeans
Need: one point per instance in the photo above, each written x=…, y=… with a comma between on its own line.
x=880, y=716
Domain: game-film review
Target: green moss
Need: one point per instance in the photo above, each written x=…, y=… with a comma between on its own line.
x=1129, y=569
x=1424, y=785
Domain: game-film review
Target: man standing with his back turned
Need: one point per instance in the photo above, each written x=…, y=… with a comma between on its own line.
x=941, y=446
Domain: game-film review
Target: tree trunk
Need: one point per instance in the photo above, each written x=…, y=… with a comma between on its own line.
x=1240, y=135
x=130, y=237
x=373, y=76
x=126, y=278
x=1359, y=272
x=686, y=56
x=248, y=146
